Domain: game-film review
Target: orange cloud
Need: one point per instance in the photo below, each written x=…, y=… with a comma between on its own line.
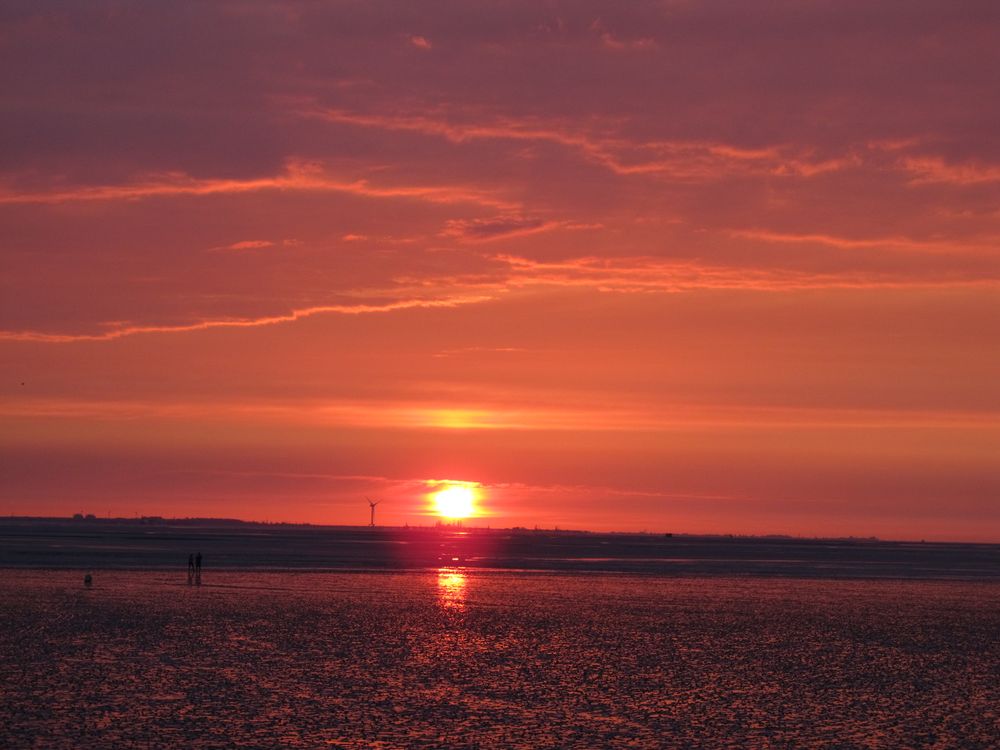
x=202, y=325
x=683, y=160
x=646, y=274
x=505, y=227
x=494, y=275
x=849, y=243
x=298, y=176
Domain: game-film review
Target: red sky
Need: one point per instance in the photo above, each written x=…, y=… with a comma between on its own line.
x=675, y=266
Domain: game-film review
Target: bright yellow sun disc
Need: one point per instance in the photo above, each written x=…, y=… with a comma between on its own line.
x=455, y=502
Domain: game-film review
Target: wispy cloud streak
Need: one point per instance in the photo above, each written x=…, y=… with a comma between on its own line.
x=450, y=416
x=204, y=325
x=650, y=274
x=504, y=273
x=868, y=243
x=298, y=177
x=604, y=145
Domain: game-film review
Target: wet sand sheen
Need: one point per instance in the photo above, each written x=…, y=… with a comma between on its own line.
x=458, y=658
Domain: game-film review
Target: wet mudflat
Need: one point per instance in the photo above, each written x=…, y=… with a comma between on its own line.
x=456, y=658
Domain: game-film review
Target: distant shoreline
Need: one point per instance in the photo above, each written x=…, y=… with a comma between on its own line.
x=984, y=580
x=89, y=520
x=104, y=545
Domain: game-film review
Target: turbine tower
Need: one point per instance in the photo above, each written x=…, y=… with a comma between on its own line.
x=372, y=505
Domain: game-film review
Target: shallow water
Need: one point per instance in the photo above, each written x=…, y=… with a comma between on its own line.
x=456, y=658
x=133, y=545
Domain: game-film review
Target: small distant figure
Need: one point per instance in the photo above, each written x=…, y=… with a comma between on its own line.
x=190, y=569
x=197, y=568
x=88, y=580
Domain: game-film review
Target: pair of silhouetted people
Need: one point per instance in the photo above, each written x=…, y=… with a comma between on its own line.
x=194, y=569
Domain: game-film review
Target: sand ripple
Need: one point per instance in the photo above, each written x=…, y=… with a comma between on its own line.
x=495, y=660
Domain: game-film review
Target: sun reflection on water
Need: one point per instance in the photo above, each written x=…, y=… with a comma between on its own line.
x=451, y=589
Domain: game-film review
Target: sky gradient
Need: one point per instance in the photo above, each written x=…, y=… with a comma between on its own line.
x=671, y=266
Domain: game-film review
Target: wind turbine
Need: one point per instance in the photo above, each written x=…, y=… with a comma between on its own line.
x=372, y=505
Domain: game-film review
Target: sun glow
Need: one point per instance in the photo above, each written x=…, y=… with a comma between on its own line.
x=455, y=502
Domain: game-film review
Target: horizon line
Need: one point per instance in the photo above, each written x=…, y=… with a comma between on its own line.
x=452, y=525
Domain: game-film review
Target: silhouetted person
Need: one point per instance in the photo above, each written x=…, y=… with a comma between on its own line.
x=190, y=569
x=88, y=580
x=197, y=568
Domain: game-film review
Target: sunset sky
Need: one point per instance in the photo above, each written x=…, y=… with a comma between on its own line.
x=728, y=267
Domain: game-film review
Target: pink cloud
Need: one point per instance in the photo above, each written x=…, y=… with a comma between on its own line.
x=932, y=169
x=246, y=245
x=698, y=160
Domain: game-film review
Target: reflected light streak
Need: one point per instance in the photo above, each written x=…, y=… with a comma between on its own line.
x=451, y=589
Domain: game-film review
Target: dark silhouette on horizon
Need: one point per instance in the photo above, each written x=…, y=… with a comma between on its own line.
x=372, y=504
x=45, y=544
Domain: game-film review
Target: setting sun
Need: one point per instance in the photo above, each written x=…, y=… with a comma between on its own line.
x=455, y=502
